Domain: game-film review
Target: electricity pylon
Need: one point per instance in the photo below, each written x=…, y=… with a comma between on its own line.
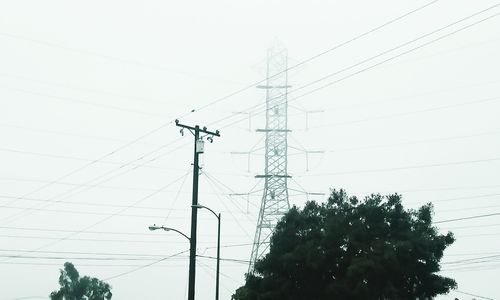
x=275, y=197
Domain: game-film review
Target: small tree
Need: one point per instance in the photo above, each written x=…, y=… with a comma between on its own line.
x=74, y=287
x=351, y=249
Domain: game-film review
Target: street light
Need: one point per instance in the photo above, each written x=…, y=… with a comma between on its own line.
x=198, y=206
x=155, y=227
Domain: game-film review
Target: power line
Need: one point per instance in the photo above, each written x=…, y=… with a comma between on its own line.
x=406, y=97
x=71, y=231
x=473, y=295
x=16, y=151
x=110, y=216
x=145, y=266
x=432, y=140
x=474, y=260
x=384, y=61
x=67, y=211
x=98, y=204
x=105, y=56
x=176, y=198
x=72, y=134
x=58, y=239
x=34, y=180
x=290, y=68
x=454, y=163
x=252, y=85
x=28, y=297
x=403, y=45
x=401, y=114
x=94, y=91
x=88, y=183
x=367, y=32
x=316, y=56
x=473, y=268
x=469, y=208
x=74, y=171
x=468, y=218
x=434, y=189
x=113, y=253
x=463, y=198
x=210, y=182
x=470, y=226
x=86, y=102
x=234, y=93
x=82, y=253
x=68, y=258
x=81, y=264
x=242, y=261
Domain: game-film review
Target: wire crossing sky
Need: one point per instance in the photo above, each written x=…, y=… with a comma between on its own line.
x=404, y=95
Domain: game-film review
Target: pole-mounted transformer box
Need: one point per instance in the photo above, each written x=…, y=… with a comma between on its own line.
x=200, y=146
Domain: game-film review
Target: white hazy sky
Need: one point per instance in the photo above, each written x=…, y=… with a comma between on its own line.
x=89, y=157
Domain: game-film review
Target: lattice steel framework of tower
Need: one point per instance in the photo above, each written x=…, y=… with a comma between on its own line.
x=275, y=197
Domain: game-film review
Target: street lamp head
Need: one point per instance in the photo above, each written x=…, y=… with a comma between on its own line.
x=153, y=227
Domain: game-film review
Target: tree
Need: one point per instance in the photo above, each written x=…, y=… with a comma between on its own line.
x=352, y=249
x=74, y=287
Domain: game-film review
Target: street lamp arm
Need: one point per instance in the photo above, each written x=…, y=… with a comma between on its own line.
x=154, y=227
x=179, y=232
x=203, y=206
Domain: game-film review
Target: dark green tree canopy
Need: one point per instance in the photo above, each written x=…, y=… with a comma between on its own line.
x=74, y=287
x=352, y=249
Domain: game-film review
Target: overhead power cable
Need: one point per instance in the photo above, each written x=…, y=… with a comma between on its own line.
x=113, y=253
x=32, y=263
x=469, y=260
x=468, y=218
x=453, y=163
x=108, y=258
x=75, y=135
x=252, y=85
x=29, y=297
x=403, y=45
x=82, y=253
x=231, y=95
x=67, y=157
x=70, y=258
x=412, y=112
x=77, y=190
x=86, y=102
x=145, y=266
x=98, y=204
x=67, y=238
x=424, y=141
x=69, y=211
x=473, y=295
x=84, y=89
x=224, y=97
x=391, y=58
x=110, y=216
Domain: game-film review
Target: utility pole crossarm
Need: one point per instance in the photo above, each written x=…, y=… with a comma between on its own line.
x=201, y=130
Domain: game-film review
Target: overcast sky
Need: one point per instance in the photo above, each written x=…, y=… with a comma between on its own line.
x=90, y=157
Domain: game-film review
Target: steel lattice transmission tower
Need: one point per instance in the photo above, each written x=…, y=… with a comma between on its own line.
x=275, y=197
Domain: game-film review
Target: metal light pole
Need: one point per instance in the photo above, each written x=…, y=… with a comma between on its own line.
x=218, y=248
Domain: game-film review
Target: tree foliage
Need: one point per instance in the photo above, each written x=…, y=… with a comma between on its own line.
x=352, y=249
x=74, y=287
